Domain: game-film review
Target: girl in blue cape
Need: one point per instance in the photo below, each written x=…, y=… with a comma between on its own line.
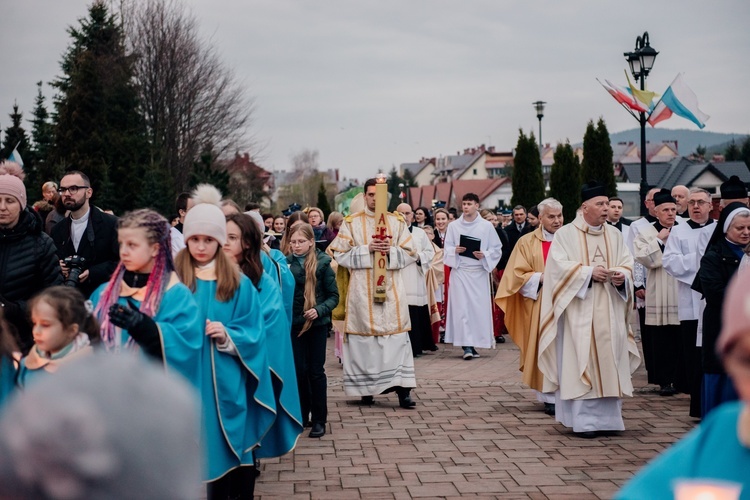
x=144, y=307
x=237, y=391
x=244, y=240
x=63, y=329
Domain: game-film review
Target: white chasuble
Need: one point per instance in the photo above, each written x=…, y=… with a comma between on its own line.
x=587, y=352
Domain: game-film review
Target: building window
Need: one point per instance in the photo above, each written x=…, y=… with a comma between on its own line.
x=475, y=171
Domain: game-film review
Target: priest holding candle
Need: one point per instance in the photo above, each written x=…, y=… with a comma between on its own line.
x=375, y=245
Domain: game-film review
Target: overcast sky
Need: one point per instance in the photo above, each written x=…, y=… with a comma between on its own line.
x=371, y=84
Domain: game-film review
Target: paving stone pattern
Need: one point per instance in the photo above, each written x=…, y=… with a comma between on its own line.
x=476, y=432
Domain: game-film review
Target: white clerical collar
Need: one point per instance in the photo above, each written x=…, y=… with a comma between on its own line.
x=547, y=235
x=595, y=228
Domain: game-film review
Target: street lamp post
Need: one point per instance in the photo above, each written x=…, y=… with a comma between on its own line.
x=641, y=60
x=539, y=106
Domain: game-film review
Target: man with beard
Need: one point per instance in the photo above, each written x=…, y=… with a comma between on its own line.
x=87, y=232
x=682, y=254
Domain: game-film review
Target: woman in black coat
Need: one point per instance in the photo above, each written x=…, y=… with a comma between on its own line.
x=718, y=265
x=28, y=261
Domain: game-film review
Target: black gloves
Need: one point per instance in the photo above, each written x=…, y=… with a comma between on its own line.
x=142, y=328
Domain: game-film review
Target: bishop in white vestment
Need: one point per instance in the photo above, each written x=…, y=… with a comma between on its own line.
x=587, y=352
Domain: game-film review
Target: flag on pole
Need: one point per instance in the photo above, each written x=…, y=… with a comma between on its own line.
x=678, y=99
x=16, y=156
x=646, y=97
x=623, y=96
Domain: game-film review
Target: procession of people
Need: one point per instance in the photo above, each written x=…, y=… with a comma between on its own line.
x=239, y=305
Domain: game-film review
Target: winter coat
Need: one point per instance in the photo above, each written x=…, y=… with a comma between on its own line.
x=28, y=264
x=718, y=265
x=98, y=246
x=326, y=291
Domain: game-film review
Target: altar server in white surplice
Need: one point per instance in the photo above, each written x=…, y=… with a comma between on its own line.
x=469, y=317
x=587, y=352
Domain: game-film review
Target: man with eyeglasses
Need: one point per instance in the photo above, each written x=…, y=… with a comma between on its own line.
x=87, y=232
x=682, y=255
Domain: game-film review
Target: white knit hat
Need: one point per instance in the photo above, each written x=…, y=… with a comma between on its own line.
x=206, y=217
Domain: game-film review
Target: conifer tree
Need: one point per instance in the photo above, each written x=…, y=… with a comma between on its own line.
x=323, y=203
x=597, y=157
x=565, y=180
x=98, y=128
x=14, y=135
x=745, y=151
x=42, y=135
x=732, y=152
x=206, y=171
x=528, y=181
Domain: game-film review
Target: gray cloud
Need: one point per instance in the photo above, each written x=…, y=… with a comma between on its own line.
x=376, y=83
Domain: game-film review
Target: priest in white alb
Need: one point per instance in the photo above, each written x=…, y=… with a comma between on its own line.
x=377, y=354
x=587, y=352
x=469, y=316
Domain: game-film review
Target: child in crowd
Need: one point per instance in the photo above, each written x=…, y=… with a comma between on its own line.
x=63, y=327
x=237, y=388
x=315, y=296
x=243, y=246
x=144, y=306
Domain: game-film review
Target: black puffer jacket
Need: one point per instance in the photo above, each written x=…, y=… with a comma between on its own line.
x=326, y=291
x=28, y=264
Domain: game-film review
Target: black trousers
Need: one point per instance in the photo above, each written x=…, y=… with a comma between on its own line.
x=648, y=346
x=237, y=484
x=420, y=334
x=690, y=371
x=309, y=361
x=665, y=341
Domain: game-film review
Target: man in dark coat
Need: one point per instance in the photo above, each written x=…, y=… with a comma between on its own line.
x=517, y=228
x=87, y=232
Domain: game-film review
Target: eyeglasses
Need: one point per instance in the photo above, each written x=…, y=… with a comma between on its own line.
x=700, y=203
x=73, y=190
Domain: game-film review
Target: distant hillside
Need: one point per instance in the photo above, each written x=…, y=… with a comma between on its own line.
x=687, y=140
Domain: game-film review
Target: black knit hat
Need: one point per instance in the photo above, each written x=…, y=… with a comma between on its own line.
x=733, y=189
x=663, y=196
x=592, y=190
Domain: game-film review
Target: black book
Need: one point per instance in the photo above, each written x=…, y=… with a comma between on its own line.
x=471, y=244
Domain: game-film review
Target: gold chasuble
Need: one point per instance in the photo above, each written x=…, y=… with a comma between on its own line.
x=586, y=347
x=363, y=316
x=522, y=313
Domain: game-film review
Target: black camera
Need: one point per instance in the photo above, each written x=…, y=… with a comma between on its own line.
x=76, y=265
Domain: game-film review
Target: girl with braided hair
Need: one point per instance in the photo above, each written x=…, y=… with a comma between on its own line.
x=237, y=392
x=243, y=246
x=144, y=306
x=315, y=297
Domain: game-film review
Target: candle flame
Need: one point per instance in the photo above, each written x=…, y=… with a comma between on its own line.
x=380, y=178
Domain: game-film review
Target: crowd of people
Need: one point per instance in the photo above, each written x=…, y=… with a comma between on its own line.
x=240, y=304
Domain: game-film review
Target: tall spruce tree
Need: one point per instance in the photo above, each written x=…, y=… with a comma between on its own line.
x=99, y=128
x=732, y=152
x=393, y=189
x=565, y=180
x=528, y=181
x=42, y=138
x=14, y=135
x=597, y=157
x=323, y=202
x=745, y=151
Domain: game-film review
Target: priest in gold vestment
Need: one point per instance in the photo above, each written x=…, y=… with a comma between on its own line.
x=377, y=355
x=587, y=352
x=520, y=291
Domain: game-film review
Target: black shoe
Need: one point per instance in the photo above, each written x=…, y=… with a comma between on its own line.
x=368, y=400
x=433, y=348
x=500, y=339
x=549, y=409
x=406, y=402
x=586, y=435
x=318, y=430
x=442, y=338
x=667, y=390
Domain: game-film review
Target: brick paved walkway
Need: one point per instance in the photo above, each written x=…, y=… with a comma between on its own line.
x=476, y=431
